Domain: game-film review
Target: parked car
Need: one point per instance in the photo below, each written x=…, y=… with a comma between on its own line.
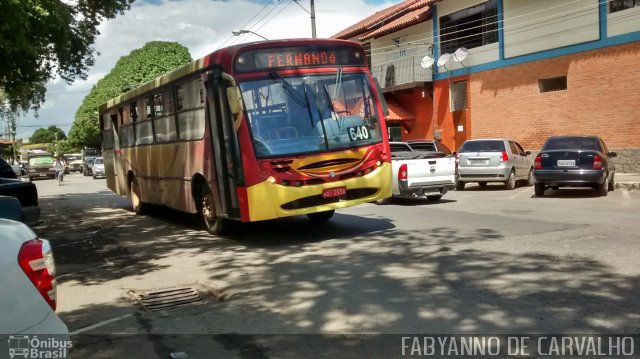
x=427, y=174
x=6, y=170
x=41, y=166
x=73, y=162
x=493, y=160
x=98, y=168
x=574, y=161
x=28, y=289
x=27, y=194
x=87, y=165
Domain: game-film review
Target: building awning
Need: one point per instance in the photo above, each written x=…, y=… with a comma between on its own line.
x=397, y=112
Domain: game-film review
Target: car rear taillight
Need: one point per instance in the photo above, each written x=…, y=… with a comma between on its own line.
x=505, y=157
x=537, y=164
x=36, y=260
x=403, y=173
x=597, y=162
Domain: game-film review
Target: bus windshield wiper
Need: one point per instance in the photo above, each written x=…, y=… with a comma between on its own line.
x=295, y=95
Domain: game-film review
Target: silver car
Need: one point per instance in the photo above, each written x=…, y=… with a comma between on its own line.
x=97, y=169
x=493, y=160
x=28, y=299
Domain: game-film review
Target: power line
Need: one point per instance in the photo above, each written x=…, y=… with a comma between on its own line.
x=254, y=16
x=244, y=37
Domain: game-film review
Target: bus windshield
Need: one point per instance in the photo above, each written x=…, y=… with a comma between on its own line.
x=310, y=113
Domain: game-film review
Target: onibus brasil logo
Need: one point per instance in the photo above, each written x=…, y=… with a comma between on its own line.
x=32, y=347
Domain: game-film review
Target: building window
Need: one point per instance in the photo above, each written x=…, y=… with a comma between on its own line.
x=458, y=96
x=471, y=27
x=395, y=132
x=553, y=84
x=390, y=76
x=619, y=5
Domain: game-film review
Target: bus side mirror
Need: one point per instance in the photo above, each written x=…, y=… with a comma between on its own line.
x=383, y=101
x=234, y=97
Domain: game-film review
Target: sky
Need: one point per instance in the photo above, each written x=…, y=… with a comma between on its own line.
x=200, y=25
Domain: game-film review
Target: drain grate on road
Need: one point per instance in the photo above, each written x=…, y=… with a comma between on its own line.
x=167, y=298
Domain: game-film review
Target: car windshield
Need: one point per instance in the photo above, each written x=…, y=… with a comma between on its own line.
x=423, y=146
x=482, y=146
x=314, y=113
x=70, y=158
x=98, y=161
x=45, y=160
x=571, y=143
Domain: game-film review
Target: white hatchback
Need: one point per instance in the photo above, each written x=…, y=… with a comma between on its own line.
x=28, y=294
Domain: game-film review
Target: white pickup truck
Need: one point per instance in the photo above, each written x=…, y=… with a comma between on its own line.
x=427, y=174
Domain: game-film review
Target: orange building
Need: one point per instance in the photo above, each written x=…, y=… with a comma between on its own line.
x=509, y=68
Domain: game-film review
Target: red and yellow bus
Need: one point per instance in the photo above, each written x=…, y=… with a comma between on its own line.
x=252, y=132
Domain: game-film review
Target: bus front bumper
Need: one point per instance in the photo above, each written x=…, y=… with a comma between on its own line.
x=269, y=200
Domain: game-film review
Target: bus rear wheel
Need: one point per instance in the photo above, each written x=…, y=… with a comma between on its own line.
x=136, y=198
x=213, y=224
x=321, y=216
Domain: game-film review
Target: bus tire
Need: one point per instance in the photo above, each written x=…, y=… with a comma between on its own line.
x=212, y=223
x=136, y=198
x=321, y=216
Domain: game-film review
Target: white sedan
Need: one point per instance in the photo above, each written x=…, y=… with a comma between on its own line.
x=28, y=322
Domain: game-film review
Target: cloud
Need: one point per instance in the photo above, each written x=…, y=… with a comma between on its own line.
x=200, y=25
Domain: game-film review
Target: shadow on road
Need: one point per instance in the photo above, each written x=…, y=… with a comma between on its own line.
x=350, y=275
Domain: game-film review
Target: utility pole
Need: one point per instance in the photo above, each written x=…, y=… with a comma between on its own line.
x=313, y=20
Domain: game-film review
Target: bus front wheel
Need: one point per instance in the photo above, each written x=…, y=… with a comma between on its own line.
x=321, y=216
x=213, y=223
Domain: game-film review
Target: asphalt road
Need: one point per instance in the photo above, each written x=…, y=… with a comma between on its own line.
x=480, y=261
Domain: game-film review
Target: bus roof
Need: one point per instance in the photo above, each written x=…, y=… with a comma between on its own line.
x=224, y=57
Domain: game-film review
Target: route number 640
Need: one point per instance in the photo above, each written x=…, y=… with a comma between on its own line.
x=358, y=133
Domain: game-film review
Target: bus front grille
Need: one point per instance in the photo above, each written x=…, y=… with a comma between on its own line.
x=317, y=200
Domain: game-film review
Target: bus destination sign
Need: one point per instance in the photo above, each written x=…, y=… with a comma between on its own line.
x=285, y=58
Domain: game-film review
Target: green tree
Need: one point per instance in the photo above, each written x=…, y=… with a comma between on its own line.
x=155, y=58
x=42, y=39
x=61, y=148
x=47, y=135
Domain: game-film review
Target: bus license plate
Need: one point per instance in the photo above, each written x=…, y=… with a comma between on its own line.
x=334, y=192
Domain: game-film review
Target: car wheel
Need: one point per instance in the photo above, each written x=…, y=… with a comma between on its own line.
x=321, y=216
x=612, y=183
x=136, y=198
x=94, y=177
x=459, y=186
x=212, y=223
x=482, y=184
x=539, y=189
x=511, y=181
x=603, y=189
x=434, y=198
x=530, y=181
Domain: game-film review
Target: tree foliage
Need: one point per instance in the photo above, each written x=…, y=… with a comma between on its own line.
x=47, y=135
x=61, y=148
x=39, y=39
x=155, y=58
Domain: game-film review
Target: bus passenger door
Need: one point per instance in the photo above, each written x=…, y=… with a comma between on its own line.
x=224, y=140
x=119, y=170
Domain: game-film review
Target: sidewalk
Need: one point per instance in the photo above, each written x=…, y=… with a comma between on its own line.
x=629, y=181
